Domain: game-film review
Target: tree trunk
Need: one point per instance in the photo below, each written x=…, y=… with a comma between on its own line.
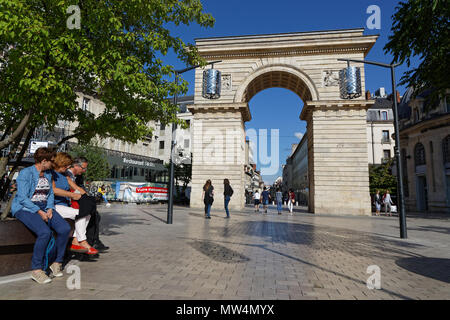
x=4, y=161
x=19, y=130
x=7, y=129
x=8, y=207
x=4, y=189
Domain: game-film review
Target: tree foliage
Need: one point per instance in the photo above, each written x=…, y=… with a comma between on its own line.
x=381, y=178
x=98, y=167
x=114, y=56
x=421, y=28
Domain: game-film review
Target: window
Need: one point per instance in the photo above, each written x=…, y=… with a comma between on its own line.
x=405, y=172
x=416, y=115
x=85, y=106
x=161, y=145
x=186, y=143
x=386, y=155
x=162, y=127
x=446, y=149
x=188, y=122
x=384, y=115
x=385, y=136
x=419, y=154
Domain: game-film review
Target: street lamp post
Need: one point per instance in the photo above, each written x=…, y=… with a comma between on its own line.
x=172, y=145
x=401, y=202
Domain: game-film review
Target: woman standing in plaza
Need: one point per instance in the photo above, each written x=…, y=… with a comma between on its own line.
x=387, y=203
x=279, y=197
x=291, y=201
x=227, y=193
x=256, y=198
x=377, y=200
x=208, y=198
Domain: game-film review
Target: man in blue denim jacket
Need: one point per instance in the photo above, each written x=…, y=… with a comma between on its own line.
x=34, y=207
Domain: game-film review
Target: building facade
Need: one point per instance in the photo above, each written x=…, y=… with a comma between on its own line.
x=380, y=127
x=425, y=153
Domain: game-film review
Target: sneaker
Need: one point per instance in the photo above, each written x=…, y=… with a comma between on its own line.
x=100, y=246
x=40, y=277
x=56, y=269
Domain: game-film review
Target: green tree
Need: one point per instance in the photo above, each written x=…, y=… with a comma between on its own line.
x=98, y=168
x=381, y=178
x=115, y=56
x=421, y=28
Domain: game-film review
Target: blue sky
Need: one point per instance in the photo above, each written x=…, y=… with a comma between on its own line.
x=248, y=17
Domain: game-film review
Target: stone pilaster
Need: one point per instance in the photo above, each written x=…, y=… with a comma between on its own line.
x=219, y=151
x=337, y=156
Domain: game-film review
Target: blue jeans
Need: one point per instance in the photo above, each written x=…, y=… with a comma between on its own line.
x=279, y=206
x=104, y=198
x=227, y=200
x=208, y=209
x=43, y=232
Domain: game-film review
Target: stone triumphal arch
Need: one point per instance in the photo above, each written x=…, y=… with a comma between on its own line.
x=305, y=63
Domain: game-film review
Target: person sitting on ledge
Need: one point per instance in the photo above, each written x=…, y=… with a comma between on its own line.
x=61, y=187
x=34, y=206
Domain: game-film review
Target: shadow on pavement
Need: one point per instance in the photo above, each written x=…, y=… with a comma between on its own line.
x=435, y=268
x=443, y=230
x=218, y=252
x=356, y=243
x=111, y=222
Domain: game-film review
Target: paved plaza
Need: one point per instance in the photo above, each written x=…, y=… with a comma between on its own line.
x=253, y=256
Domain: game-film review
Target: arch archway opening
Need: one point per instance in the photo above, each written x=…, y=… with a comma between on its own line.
x=277, y=79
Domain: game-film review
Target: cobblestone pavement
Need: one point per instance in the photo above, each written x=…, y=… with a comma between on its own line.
x=254, y=256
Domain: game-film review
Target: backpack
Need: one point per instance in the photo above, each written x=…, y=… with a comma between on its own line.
x=231, y=191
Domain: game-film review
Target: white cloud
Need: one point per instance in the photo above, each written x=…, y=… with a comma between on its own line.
x=299, y=135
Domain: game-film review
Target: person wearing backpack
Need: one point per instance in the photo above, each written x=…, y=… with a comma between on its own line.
x=265, y=197
x=227, y=193
x=208, y=198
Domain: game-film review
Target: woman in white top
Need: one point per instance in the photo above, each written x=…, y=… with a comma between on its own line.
x=257, y=198
x=387, y=202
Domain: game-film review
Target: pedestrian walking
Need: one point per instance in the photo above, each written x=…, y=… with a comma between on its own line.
x=291, y=201
x=265, y=199
x=227, y=193
x=208, y=198
x=256, y=198
x=279, y=197
x=377, y=201
x=387, y=203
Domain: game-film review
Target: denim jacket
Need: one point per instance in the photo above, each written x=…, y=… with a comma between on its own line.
x=26, y=185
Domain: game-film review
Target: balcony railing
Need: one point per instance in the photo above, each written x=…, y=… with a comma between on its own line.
x=386, y=140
